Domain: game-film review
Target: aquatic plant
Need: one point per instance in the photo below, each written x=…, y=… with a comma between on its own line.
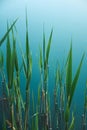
x=6, y=34
x=42, y=116
x=84, y=115
x=28, y=72
x=63, y=93
x=44, y=67
x=71, y=84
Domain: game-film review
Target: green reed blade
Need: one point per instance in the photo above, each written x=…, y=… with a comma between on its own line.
x=48, y=46
x=33, y=111
x=4, y=121
x=28, y=78
x=44, y=48
x=1, y=60
x=27, y=42
x=60, y=77
x=36, y=120
x=40, y=59
x=23, y=57
x=75, y=80
x=22, y=102
x=72, y=123
x=13, y=57
x=8, y=59
x=69, y=72
x=57, y=77
x=33, y=103
x=85, y=102
x=30, y=66
x=16, y=63
x=24, y=65
x=6, y=34
x=49, y=103
x=67, y=114
x=39, y=96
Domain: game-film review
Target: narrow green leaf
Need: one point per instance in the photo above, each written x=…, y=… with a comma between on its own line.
x=85, y=98
x=40, y=59
x=48, y=46
x=69, y=72
x=67, y=113
x=27, y=42
x=6, y=34
x=16, y=63
x=36, y=120
x=72, y=123
x=44, y=49
x=30, y=66
x=1, y=60
x=8, y=59
x=23, y=57
x=75, y=80
x=13, y=58
x=4, y=122
x=39, y=92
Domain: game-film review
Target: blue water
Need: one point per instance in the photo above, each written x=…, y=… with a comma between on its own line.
x=68, y=18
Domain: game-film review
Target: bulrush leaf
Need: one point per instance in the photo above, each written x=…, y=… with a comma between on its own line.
x=67, y=113
x=30, y=66
x=72, y=123
x=24, y=64
x=69, y=72
x=1, y=59
x=56, y=81
x=48, y=46
x=36, y=120
x=13, y=57
x=4, y=121
x=39, y=92
x=16, y=62
x=57, y=77
x=6, y=34
x=85, y=98
x=44, y=48
x=27, y=42
x=22, y=54
x=75, y=80
x=8, y=59
x=40, y=59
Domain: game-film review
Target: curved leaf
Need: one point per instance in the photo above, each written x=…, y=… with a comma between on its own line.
x=75, y=80
x=6, y=34
x=69, y=72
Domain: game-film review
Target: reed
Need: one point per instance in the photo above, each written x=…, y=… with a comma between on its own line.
x=42, y=115
x=84, y=115
x=44, y=57
x=71, y=84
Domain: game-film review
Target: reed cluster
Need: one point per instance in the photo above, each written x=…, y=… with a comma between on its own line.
x=16, y=111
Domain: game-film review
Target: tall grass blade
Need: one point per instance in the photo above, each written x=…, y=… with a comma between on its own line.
x=27, y=42
x=75, y=80
x=13, y=57
x=69, y=72
x=48, y=46
x=1, y=60
x=6, y=34
x=23, y=56
x=72, y=123
x=8, y=59
x=43, y=52
x=40, y=59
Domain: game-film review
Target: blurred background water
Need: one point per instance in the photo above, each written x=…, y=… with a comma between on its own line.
x=68, y=18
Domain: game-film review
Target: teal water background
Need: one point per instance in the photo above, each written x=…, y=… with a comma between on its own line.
x=68, y=18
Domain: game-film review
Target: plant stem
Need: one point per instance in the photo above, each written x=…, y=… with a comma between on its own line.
x=26, y=124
